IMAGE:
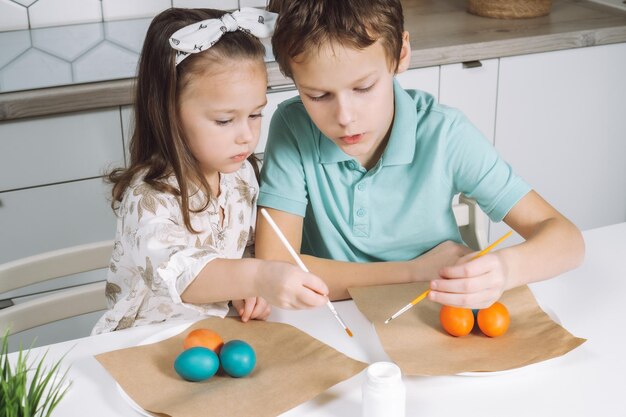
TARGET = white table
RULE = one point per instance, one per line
(588, 381)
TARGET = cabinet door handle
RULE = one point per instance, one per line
(472, 64)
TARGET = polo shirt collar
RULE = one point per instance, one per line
(331, 153)
(400, 149)
(401, 146)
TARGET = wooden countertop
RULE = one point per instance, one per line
(441, 32)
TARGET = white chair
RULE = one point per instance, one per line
(57, 305)
(473, 223)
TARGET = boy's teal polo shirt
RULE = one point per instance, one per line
(400, 208)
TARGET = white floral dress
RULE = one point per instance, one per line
(155, 257)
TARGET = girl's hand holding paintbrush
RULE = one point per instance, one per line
(291, 287)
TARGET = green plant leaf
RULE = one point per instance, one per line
(37, 396)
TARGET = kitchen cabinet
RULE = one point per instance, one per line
(472, 88)
(42, 219)
(560, 123)
(126, 114)
(274, 98)
(469, 87)
(51, 191)
(49, 150)
(425, 79)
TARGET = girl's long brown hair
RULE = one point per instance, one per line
(158, 143)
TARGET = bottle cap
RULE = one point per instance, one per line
(383, 373)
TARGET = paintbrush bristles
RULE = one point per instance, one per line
(405, 308)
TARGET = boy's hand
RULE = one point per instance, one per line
(471, 283)
(287, 286)
(254, 308)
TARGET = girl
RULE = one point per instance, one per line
(186, 204)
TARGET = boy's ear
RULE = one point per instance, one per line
(405, 54)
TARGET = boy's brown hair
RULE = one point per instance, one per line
(306, 25)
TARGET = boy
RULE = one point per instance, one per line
(360, 174)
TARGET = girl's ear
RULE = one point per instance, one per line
(405, 54)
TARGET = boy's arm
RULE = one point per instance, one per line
(339, 275)
(553, 245)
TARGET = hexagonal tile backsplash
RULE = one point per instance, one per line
(46, 43)
(27, 14)
(72, 54)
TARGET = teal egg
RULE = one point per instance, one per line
(475, 312)
(196, 364)
(237, 358)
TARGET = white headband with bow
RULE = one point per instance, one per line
(203, 35)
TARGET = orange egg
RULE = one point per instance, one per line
(456, 321)
(204, 338)
(494, 321)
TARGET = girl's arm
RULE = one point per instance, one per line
(338, 275)
(280, 283)
(553, 245)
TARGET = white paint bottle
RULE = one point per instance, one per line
(384, 394)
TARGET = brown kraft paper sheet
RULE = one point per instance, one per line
(291, 368)
(419, 345)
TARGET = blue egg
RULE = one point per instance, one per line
(475, 312)
(237, 358)
(197, 364)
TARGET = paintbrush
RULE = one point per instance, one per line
(425, 293)
(301, 264)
